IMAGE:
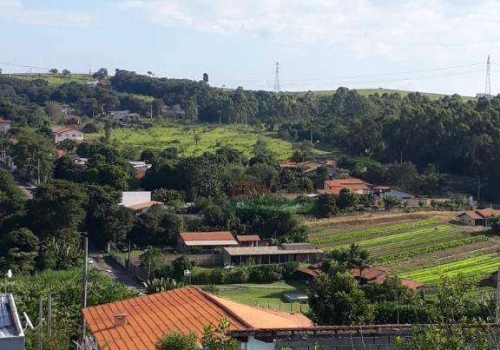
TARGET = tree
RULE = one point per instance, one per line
(156, 227)
(191, 110)
(152, 260)
(101, 74)
(179, 265)
(494, 221)
(53, 71)
(90, 128)
(65, 168)
(205, 78)
(33, 154)
(12, 199)
(18, 250)
(338, 300)
(390, 202)
(65, 72)
(326, 205)
(346, 199)
(302, 152)
(197, 138)
(57, 209)
(218, 338)
(178, 341)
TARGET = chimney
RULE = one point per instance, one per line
(120, 319)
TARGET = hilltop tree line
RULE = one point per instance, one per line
(451, 134)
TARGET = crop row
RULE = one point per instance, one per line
(408, 254)
(480, 266)
(372, 231)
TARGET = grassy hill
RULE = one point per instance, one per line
(54, 79)
(210, 138)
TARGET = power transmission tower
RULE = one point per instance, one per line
(277, 87)
(487, 85)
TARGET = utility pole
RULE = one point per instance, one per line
(151, 112)
(38, 170)
(40, 324)
(478, 189)
(84, 282)
(49, 315)
(487, 84)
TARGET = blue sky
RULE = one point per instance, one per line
(427, 45)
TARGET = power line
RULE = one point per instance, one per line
(22, 65)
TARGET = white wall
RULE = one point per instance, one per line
(74, 135)
(135, 197)
(254, 344)
(4, 127)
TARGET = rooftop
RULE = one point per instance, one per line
(4, 121)
(10, 325)
(248, 238)
(481, 214)
(272, 250)
(183, 310)
(208, 238)
(144, 205)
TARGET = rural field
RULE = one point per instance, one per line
(197, 139)
(423, 246)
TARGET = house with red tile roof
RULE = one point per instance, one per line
(248, 240)
(138, 323)
(357, 186)
(205, 242)
(66, 133)
(138, 201)
(478, 217)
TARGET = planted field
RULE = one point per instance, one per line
(476, 267)
(195, 140)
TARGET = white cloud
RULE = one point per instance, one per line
(16, 11)
(397, 29)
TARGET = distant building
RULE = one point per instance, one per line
(289, 252)
(61, 134)
(11, 330)
(478, 217)
(140, 168)
(357, 186)
(138, 323)
(205, 242)
(5, 125)
(248, 240)
(123, 117)
(138, 201)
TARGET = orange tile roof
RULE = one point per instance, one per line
(248, 238)
(369, 273)
(207, 236)
(4, 121)
(352, 184)
(183, 310)
(481, 214)
(144, 205)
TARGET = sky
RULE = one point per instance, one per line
(418, 45)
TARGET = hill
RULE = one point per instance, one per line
(54, 79)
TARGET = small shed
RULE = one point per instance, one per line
(205, 242)
(248, 240)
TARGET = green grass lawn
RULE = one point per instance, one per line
(55, 79)
(265, 295)
(210, 138)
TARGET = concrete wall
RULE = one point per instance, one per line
(135, 197)
(12, 343)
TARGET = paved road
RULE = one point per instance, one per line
(105, 263)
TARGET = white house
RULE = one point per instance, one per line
(66, 133)
(138, 201)
(5, 125)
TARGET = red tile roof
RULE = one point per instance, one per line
(183, 310)
(248, 238)
(369, 273)
(481, 214)
(4, 121)
(207, 236)
(60, 130)
(352, 184)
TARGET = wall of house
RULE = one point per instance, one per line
(4, 127)
(12, 343)
(68, 135)
(466, 220)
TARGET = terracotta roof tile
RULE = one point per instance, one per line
(144, 205)
(184, 310)
(248, 238)
(369, 273)
(207, 236)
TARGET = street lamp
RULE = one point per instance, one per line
(8, 275)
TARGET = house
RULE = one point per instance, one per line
(124, 117)
(61, 134)
(138, 201)
(357, 186)
(310, 167)
(138, 323)
(205, 242)
(5, 125)
(248, 240)
(11, 330)
(288, 252)
(369, 275)
(478, 217)
(140, 168)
